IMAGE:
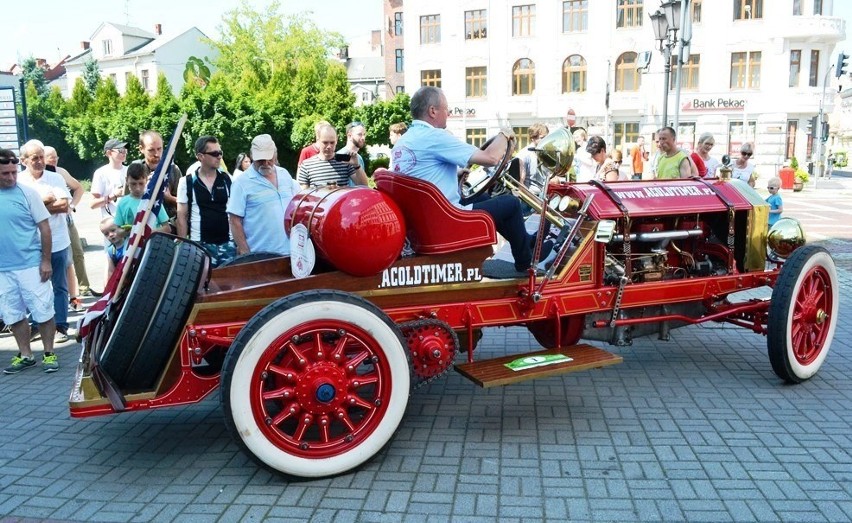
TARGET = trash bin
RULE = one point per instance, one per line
(788, 176)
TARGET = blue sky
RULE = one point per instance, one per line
(58, 26)
(63, 24)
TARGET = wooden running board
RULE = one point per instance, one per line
(494, 373)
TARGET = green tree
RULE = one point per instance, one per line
(380, 115)
(34, 74)
(106, 99)
(80, 99)
(91, 74)
(135, 96)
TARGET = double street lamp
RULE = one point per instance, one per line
(666, 22)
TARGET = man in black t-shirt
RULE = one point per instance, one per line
(202, 197)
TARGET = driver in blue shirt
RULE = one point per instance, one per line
(427, 151)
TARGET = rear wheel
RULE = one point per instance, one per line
(316, 383)
(544, 331)
(803, 314)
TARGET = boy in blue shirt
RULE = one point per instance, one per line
(117, 241)
(125, 212)
(776, 206)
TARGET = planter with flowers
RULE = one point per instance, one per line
(800, 177)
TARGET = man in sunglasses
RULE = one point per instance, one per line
(108, 180)
(202, 197)
(25, 267)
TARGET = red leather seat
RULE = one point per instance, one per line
(435, 226)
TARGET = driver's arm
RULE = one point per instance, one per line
(492, 155)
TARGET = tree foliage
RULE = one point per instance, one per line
(34, 74)
(273, 74)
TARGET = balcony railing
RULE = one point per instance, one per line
(815, 28)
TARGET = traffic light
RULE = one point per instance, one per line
(809, 128)
(824, 135)
(842, 64)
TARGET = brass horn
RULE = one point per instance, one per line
(556, 151)
(527, 196)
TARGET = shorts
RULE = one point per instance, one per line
(23, 290)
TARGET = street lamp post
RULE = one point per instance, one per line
(666, 23)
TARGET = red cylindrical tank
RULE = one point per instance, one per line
(358, 230)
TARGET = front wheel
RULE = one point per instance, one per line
(803, 314)
(316, 383)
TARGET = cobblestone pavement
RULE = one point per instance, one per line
(694, 429)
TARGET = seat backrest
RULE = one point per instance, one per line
(435, 226)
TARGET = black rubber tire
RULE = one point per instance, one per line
(249, 258)
(169, 318)
(144, 293)
(256, 350)
(803, 314)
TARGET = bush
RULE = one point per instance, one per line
(802, 176)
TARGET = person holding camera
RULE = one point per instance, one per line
(328, 167)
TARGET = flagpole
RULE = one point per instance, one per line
(164, 164)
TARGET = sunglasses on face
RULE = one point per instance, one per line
(216, 154)
(7, 161)
(745, 154)
(771, 187)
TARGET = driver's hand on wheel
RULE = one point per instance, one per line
(508, 133)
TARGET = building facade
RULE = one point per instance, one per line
(123, 51)
(755, 69)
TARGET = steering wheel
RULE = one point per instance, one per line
(481, 179)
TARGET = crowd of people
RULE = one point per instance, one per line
(241, 212)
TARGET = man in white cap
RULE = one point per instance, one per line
(258, 200)
(108, 181)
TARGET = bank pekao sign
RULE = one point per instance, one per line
(714, 103)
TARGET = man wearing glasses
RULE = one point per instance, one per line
(323, 169)
(108, 180)
(202, 197)
(742, 168)
(25, 267)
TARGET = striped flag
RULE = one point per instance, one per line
(144, 224)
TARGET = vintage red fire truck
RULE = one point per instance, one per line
(315, 365)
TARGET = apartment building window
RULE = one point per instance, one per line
(127, 75)
(629, 13)
(476, 82)
(696, 11)
(745, 65)
(625, 133)
(475, 136)
(818, 7)
(689, 72)
(113, 78)
(626, 75)
(748, 9)
(523, 77)
(523, 20)
(737, 136)
(475, 24)
(574, 74)
(107, 45)
(430, 77)
(400, 88)
(795, 66)
(522, 137)
(399, 61)
(792, 129)
(575, 16)
(430, 29)
(365, 97)
(397, 24)
(145, 79)
(814, 75)
(797, 7)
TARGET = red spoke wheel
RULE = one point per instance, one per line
(544, 331)
(316, 384)
(803, 314)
